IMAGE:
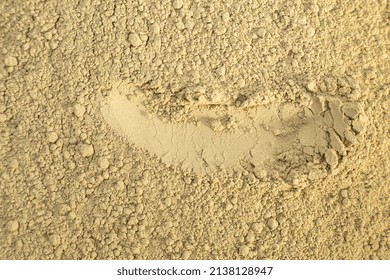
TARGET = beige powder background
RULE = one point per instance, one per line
(298, 91)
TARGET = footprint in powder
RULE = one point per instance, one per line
(251, 142)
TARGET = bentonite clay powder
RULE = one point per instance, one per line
(194, 129)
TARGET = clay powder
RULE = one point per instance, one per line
(194, 129)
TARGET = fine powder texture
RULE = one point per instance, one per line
(194, 129)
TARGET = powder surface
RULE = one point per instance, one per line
(194, 129)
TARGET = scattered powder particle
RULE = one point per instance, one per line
(257, 227)
(311, 32)
(120, 186)
(225, 17)
(136, 250)
(10, 61)
(178, 4)
(55, 239)
(357, 125)
(220, 29)
(250, 237)
(12, 226)
(350, 110)
(52, 137)
(318, 103)
(155, 28)
(241, 83)
(272, 223)
(3, 117)
(277, 132)
(79, 110)
(331, 157)
(64, 208)
(244, 250)
(104, 163)
(186, 255)
(135, 40)
(221, 71)
(312, 86)
(168, 201)
(86, 150)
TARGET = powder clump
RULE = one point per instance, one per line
(10, 61)
(86, 150)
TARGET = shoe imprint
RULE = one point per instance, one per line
(237, 138)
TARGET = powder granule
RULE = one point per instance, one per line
(135, 40)
(12, 226)
(178, 4)
(86, 150)
(10, 61)
(272, 223)
(104, 163)
(244, 250)
(79, 110)
(331, 157)
(52, 137)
